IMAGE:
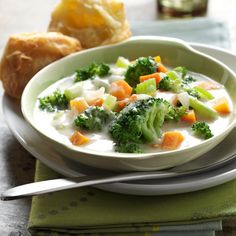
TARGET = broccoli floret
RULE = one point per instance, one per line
(142, 66)
(128, 147)
(56, 101)
(177, 85)
(89, 73)
(139, 122)
(99, 69)
(93, 118)
(165, 84)
(188, 79)
(174, 113)
(202, 129)
(82, 74)
(168, 84)
(191, 91)
(183, 70)
(184, 74)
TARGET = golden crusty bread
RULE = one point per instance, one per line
(93, 22)
(26, 54)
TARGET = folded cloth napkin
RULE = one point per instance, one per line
(91, 211)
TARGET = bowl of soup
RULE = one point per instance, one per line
(148, 103)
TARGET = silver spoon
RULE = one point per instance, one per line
(48, 186)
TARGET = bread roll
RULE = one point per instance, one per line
(93, 22)
(26, 54)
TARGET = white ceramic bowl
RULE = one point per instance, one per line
(174, 52)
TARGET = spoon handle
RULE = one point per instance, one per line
(42, 187)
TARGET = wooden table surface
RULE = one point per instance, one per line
(17, 166)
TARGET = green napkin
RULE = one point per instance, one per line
(89, 210)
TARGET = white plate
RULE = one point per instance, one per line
(220, 157)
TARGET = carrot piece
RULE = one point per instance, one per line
(172, 140)
(161, 68)
(78, 139)
(120, 89)
(98, 102)
(133, 98)
(221, 105)
(208, 85)
(190, 117)
(157, 59)
(123, 103)
(156, 76)
(79, 104)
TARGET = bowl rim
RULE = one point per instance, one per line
(119, 155)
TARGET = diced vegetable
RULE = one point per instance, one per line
(172, 140)
(114, 78)
(202, 109)
(161, 68)
(156, 76)
(92, 95)
(122, 62)
(173, 75)
(74, 91)
(78, 104)
(157, 59)
(58, 119)
(98, 102)
(110, 102)
(184, 99)
(121, 104)
(190, 117)
(147, 87)
(78, 139)
(98, 83)
(209, 85)
(204, 93)
(133, 98)
(120, 89)
(221, 105)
